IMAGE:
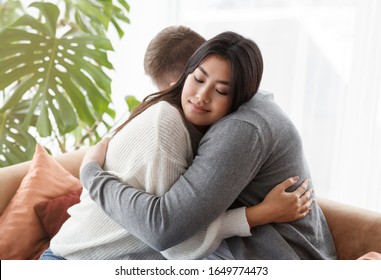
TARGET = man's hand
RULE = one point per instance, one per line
(96, 153)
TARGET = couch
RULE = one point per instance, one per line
(355, 231)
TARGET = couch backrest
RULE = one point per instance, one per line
(356, 231)
(11, 176)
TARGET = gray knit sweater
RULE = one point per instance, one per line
(239, 160)
(144, 155)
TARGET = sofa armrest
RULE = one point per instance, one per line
(11, 176)
(355, 231)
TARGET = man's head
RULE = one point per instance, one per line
(168, 52)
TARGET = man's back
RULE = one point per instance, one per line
(242, 155)
(277, 155)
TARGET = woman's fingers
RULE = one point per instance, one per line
(298, 202)
(301, 190)
(306, 203)
(305, 199)
(306, 196)
(286, 184)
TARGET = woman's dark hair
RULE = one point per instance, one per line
(246, 64)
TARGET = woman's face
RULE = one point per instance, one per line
(205, 97)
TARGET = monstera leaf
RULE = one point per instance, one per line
(10, 11)
(94, 16)
(131, 102)
(63, 77)
(17, 144)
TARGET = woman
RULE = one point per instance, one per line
(157, 143)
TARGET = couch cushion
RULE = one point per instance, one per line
(22, 234)
(53, 212)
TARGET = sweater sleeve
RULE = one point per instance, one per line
(198, 198)
(206, 241)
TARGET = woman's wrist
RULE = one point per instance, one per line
(258, 215)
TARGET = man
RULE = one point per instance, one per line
(168, 52)
(244, 155)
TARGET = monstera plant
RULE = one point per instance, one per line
(54, 74)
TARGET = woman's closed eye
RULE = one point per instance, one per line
(221, 92)
(198, 80)
(201, 81)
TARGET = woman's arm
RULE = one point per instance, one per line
(278, 206)
(202, 193)
(168, 157)
(205, 241)
(165, 233)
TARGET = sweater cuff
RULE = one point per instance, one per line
(88, 172)
(234, 223)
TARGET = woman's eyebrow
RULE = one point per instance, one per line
(203, 71)
(207, 75)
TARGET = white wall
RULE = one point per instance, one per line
(147, 19)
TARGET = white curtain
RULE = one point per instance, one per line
(322, 62)
(356, 161)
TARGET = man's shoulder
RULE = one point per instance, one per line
(165, 108)
(164, 113)
(170, 123)
(158, 119)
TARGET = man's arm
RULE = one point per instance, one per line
(221, 170)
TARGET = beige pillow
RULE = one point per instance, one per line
(22, 235)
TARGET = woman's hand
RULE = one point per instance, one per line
(280, 206)
(96, 153)
(371, 256)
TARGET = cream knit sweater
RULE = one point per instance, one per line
(150, 153)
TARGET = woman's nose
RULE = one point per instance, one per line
(203, 95)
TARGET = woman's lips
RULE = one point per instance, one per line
(199, 108)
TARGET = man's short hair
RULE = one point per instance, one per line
(168, 52)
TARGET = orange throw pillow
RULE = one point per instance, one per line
(53, 212)
(22, 236)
